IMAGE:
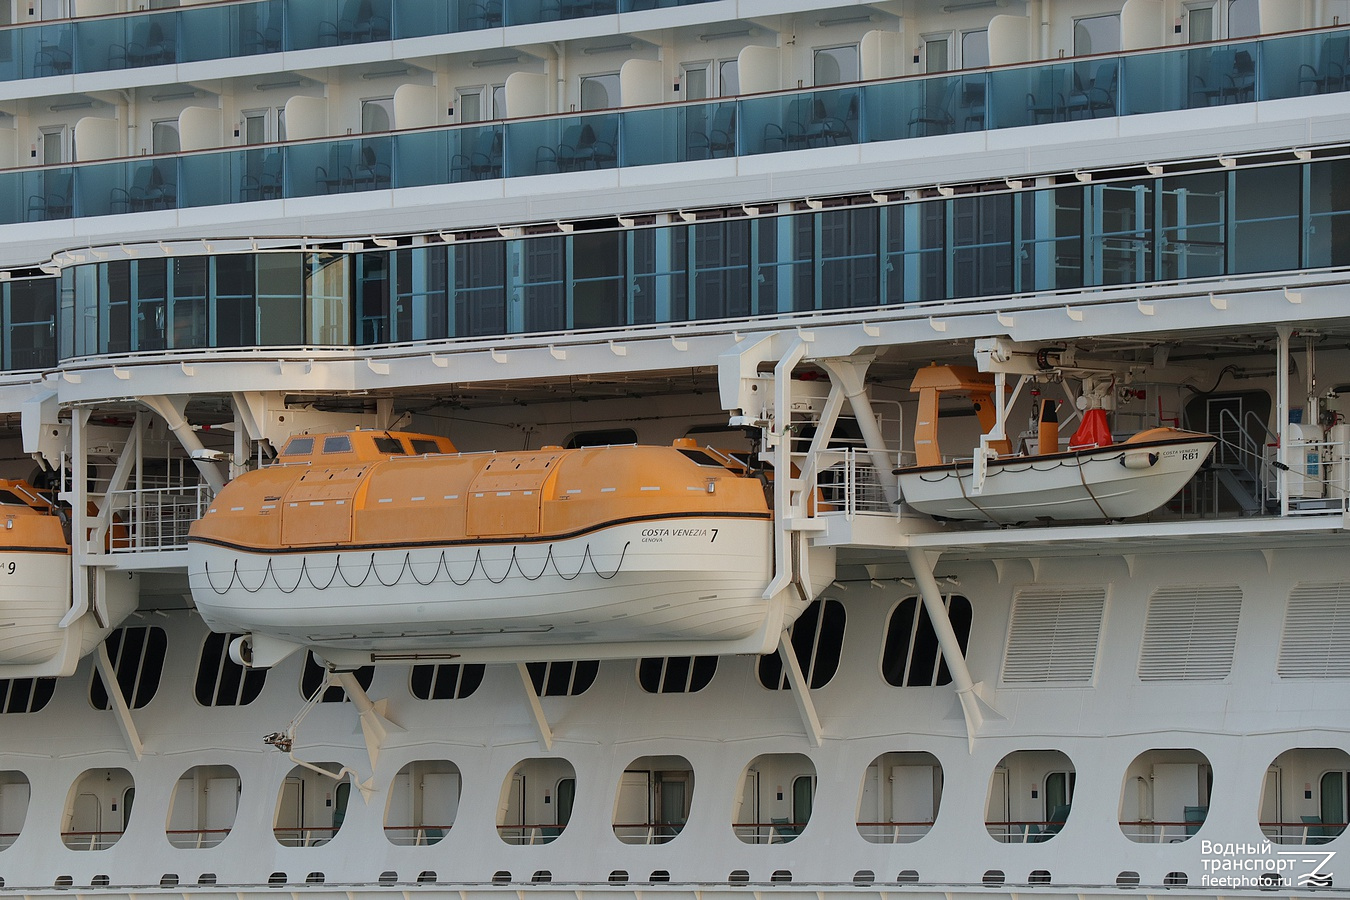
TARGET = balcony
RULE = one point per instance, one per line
(227, 30)
(1131, 84)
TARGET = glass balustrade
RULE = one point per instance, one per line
(1300, 65)
(105, 43)
(1171, 227)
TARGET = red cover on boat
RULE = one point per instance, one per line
(1094, 432)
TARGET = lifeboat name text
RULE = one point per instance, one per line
(657, 535)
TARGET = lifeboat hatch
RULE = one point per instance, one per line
(504, 498)
(318, 507)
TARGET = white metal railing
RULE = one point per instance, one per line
(646, 832)
(767, 832)
(196, 838)
(848, 483)
(156, 518)
(1142, 832)
(893, 832)
(1304, 832)
(1318, 479)
(415, 835)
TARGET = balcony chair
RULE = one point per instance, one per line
(1329, 75)
(56, 200)
(483, 161)
(55, 58)
(935, 116)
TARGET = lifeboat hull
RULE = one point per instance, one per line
(1116, 482)
(34, 596)
(698, 579)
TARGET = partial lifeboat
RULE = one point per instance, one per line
(1095, 478)
(40, 635)
(391, 547)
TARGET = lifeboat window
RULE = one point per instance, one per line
(449, 681)
(702, 458)
(817, 640)
(425, 446)
(220, 680)
(312, 678)
(299, 446)
(9, 499)
(911, 656)
(562, 679)
(388, 445)
(337, 443)
(137, 655)
(25, 695)
(606, 437)
(676, 674)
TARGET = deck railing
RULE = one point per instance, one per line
(196, 838)
(647, 832)
(90, 840)
(157, 518)
(773, 832)
(416, 835)
(1125, 84)
(893, 832)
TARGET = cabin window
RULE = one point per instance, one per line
(975, 49)
(1200, 23)
(449, 681)
(600, 91)
(676, 674)
(298, 447)
(25, 695)
(313, 677)
(562, 679)
(936, 53)
(1244, 18)
(911, 656)
(337, 443)
(137, 655)
(817, 641)
(425, 446)
(220, 680)
(423, 803)
(389, 446)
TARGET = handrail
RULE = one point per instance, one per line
(858, 113)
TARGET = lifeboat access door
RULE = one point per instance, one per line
(504, 499)
(318, 508)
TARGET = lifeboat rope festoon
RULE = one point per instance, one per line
(442, 564)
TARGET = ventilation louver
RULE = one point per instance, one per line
(1190, 633)
(1316, 641)
(1053, 636)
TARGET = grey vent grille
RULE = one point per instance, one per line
(1053, 636)
(1190, 633)
(1316, 641)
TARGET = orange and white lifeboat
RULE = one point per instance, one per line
(391, 547)
(40, 634)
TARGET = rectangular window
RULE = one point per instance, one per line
(377, 115)
(975, 49)
(936, 53)
(1244, 18)
(480, 288)
(1050, 241)
(235, 307)
(470, 104)
(164, 136)
(728, 78)
(836, 65)
(1120, 238)
(1192, 236)
(1329, 213)
(598, 279)
(1096, 34)
(694, 81)
(1200, 24)
(981, 245)
(915, 266)
(600, 91)
(848, 257)
(1266, 229)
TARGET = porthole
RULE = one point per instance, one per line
(1039, 876)
(1176, 879)
(64, 881)
(653, 800)
(1127, 879)
(782, 814)
(1164, 797)
(618, 876)
(206, 878)
(310, 807)
(781, 876)
(314, 878)
(738, 876)
(168, 880)
(659, 876)
(188, 826)
(1030, 797)
(98, 809)
(14, 796)
(543, 876)
(100, 881)
(426, 877)
(907, 876)
(501, 877)
(993, 878)
(276, 879)
(864, 877)
(388, 878)
(900, 796)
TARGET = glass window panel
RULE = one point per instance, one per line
(328, 308)
(916, 252)
(115, 305)
(849, 266)
(1096, 34)
(836, 65)
(981, 245)
(975, 49)
(1120, 237)
(372, 298)
(420, 304)
(1266, 228)
(189, 301)
(1192, 237)
(600, 91)
(721, 269)
(598, 279)
(480, 288)
(544, 287)
(695, 82)
(1050, 244)
(236, 307)
(935, 54)
(30, 323)
(151, 280)
(281, 308)
(1244, 18)
(1200, 24)
(1329, 213)
(728, 78)
(470, 104)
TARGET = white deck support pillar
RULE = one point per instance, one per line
(788, 556)
(921, 562)
(537, 708)
(375, 724)
(849, 375)
(171, 411)
(1282, 415)
(801, 691)
(119, 703)
(77, 497)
